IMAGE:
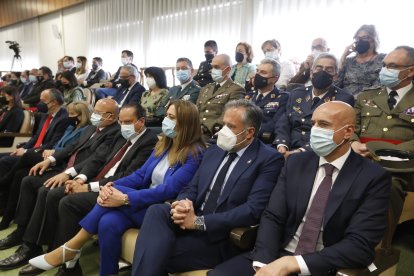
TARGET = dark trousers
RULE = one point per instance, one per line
(240, 265)
(163, 247)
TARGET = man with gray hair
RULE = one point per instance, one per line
(214, 96)
(230, 189)
(293, 129)
(131, 90)
(271, 100)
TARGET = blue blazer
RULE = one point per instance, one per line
(133, 97)
(246, 192)
(355, 215)
(293, 127)
(70, 136)
(176, 177)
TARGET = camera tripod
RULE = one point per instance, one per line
(18, 59)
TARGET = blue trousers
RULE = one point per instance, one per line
(101, 93)
(110, 224)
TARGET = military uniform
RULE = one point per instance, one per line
(273, 106)
(211, 103)
(293, 128)
(203, 76)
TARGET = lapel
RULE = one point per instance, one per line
(405, 103)
(342, 184)
(132, 150)
(305, 185)
(182, 92)
(265, 100)
(53, 122)
(242, 165)
(221, 89)
(307, 105)
(381, 100)
(153, 164)
(213, 166)
(85, 138)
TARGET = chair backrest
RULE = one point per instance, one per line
(28, 122)
(90, 97)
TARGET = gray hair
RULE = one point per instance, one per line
(276, 66)
(131, 70)
(55, 95)
(252, 116)
(326, 55)
(410, 53)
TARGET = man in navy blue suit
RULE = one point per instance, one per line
(230, 189)
(131, 90)
(328, 210)
(293, 129)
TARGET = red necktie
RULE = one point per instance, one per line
(312, 226)
(113, 161)
(43, 132)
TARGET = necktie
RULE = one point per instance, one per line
(43, 132)
(211, 203)
(72, 158)
(259, 97)
(216, 87)
(315, 101)
(113, 161)
(312, 226)
(392, 100)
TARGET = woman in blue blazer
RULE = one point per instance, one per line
(122, 204)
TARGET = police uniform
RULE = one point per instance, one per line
(273, 106)
(203, 76)
(211, 103)
(293, 128)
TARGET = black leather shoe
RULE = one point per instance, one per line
(30, 270)
(75, 271)
(22, 255)
(13, 239)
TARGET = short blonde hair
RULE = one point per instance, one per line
(84, 110)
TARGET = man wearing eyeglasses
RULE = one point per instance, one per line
(293, 128)
(385, 117)
(131, 90)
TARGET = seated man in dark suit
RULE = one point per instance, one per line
(230, 189)
(131, 90)
(271, 100)
(293, 129)
(336, 219)
(97, 73)
(51, 173)
(128, 152)
(44, 81)
(27, 85)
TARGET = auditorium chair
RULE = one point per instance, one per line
(90, 97)
(10, 140)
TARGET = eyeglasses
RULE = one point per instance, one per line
(396, 66)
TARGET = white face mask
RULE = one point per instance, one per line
(150, 82)
(66, 64)
(78, 65)
(227, 140)
(316, 53)
(272, 54)
(124, 61)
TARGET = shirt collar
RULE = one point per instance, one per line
(184, 85)
(320, 96)
(402, 91)
(337, 163)
(133, 140)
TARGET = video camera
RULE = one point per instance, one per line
(15, 47)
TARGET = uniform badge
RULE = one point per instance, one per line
(369, 102)
(299, 100)
(297, 109)
(186, 97)
(308, 98)
(409, 111)
(272, 96)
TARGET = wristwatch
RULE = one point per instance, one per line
(89, 187)
(199, 223)
(126, 200)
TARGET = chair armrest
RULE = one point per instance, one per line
(244, 237)
(14, 134)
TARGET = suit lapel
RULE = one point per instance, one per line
(305, 185)
(218, 155)
(342, 184)
(307, 105)
(381, 100)
(405, 103)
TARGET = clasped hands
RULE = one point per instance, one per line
(109, 196)
(182, 214)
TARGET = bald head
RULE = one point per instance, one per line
(223, 60)
(337, 110)
(108, 108)
(320, 44)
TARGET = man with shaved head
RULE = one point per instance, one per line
(53, 172)
(214, 96)
(328, 210)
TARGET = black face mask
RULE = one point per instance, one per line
(209, 56)
(362, 46)
(42, 107)
(239, 57)
(124, 83)
(73, 121)
(94, 67)
(3, 101)
(322, 80)
(13, 82)
(39, 78)
(259, 81)
(66, 86)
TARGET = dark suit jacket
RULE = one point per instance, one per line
(116, 76)
(54, 132)
(293, 128)
(26, 89)
(189, 93)
(132, 161)
(12, 120)
(133, 97)
(273, 107)
(95, 77)
(87, 147)
(355, 215)
(245, 193)
(34, 97)
(203, 76)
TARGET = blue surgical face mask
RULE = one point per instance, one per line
(389, 77)
(183, 75)
(168, 127)
(32, 78)
(321, 140)
(96, 119)
(217, 75)
(128, 131)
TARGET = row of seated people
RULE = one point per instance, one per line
(226, 186)
(323, 72)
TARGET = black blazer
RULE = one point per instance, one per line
(12, 120)
(132, 161)
(116, 76)
(25, 90)
(133, 97)
(54, 132)
(87, 147)
(95, 77)
(34, 97)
